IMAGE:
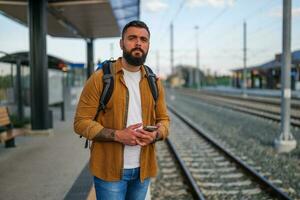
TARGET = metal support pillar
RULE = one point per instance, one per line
(90, 57)
(19, 91)
(286, 141)
(12, 75)
(62, 111)
(37, 11)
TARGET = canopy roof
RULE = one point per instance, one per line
(79, 18)
(53, 61)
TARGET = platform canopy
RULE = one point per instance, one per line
(275, 63)
(54, 62)
(79, 18)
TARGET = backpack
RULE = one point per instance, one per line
(108, 86)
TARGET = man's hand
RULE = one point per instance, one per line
(146, 137)
(128, 135)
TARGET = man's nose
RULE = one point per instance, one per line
(138, 43)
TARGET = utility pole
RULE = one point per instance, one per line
(286, 141)
(198, 75)
(157, 62)
(245, 61)
(111, 50)
(172, 48)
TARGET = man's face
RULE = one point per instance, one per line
(135, 45)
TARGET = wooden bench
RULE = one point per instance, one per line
(7, 131)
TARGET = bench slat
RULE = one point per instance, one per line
(4, 122)
(4, 117)
(8, 135)
(3, 109)
(3, 114)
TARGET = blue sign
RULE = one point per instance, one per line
(76, 65)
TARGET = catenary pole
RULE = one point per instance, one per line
(245, 61)
(286, 141)
(172, 48)
(198, 75)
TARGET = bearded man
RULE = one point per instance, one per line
(123, 152)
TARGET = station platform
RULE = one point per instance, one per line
(251, 91)
(49, 167)
(43, 166)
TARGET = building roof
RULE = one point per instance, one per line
(79, 18)
(296, 57)
(275, 63)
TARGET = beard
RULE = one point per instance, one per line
(134, 60)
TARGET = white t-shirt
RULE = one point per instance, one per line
(132, 80)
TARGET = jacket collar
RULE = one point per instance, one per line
(118, 67)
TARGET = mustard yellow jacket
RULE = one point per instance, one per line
(106, 161)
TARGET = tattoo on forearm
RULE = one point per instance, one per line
(105, 135)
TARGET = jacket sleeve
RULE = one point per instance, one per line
(161, 111)
(84, 123)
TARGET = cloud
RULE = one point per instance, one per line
(214, 3)
(277, 12)
(155, 5)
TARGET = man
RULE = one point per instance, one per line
(122, 153)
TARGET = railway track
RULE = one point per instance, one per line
(214, 172)
(295, 102)
(262, 107)
(169, 183)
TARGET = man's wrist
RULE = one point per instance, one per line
(106, 135)
(116, 138)
(157, 137)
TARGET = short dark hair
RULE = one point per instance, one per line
(135, 23)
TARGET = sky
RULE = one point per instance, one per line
(220, 34)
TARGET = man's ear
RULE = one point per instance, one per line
(121, 44)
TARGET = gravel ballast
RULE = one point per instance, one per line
(249, 136)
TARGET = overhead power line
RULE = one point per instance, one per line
(173, 19)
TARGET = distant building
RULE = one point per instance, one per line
(186, 76)
(268, 75)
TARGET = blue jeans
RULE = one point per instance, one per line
(129, 187)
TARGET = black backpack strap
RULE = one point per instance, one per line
(108, 87)
(152, 82)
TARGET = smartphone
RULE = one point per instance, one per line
(150, 128)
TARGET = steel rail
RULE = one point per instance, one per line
(295, 120)
(263, 182)
(196, 192)
(269, 100)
